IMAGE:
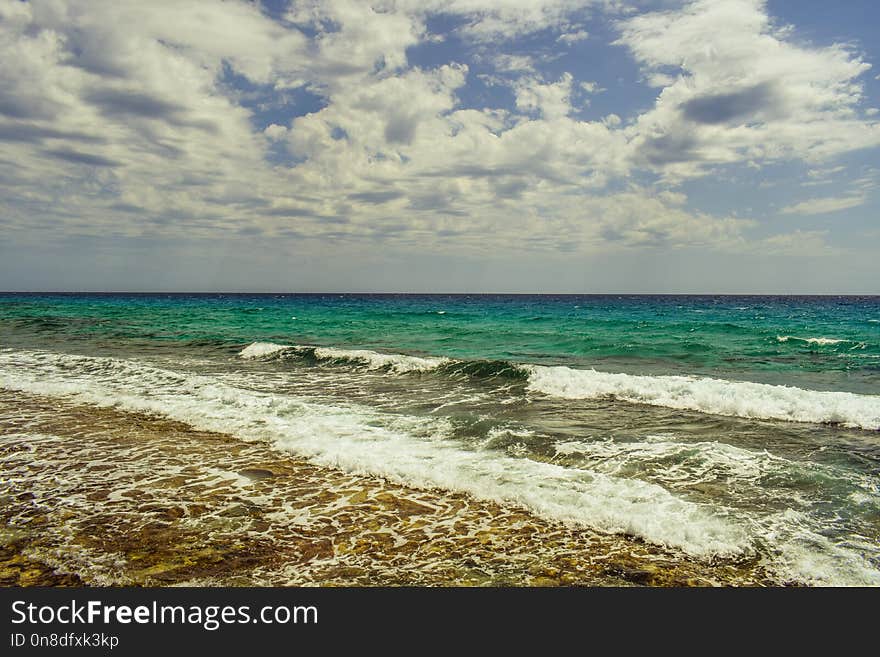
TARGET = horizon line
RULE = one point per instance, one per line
(484, 293)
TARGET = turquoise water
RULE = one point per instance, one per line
(824, 342)
(723, 427)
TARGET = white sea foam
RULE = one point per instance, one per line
(807, 556)
(821, 341)
(803, 551)
(676, 463)
(261, 350)
(715, 396)
(372, 360)
(375, 361)
(673, 461)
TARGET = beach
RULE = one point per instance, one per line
(147, 501)
(436, 440)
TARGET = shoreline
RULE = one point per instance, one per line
(147, 501)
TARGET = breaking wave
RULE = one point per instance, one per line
(819, 341)
(743, 399)
(414, 451)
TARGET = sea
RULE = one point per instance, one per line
(439, 440)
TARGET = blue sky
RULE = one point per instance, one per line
(716, 146)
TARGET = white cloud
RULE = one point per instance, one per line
(513, 63)
(573, 37)
(275, 131)
(354, 38)
(738, 89)
(108, 36)
(551, 101)
(493, 20)
(138, 120)
(798, 243)
(826, 172)
(824, 205)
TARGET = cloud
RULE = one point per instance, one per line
(551, 101)
(118, 103)
(824, 205)
(28, 132)
(799, 243)
(513, 63)
(824, 172)
(377, 197)
(822, 175)
(188, 121)
(493, 20)
(275, 131)
(77, 157)
(736, 88)
(573, 37)
(352, 38)
(735, 106)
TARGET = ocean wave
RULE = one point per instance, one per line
(819, 341)
(372, 360)
(743, 399)
(414, 451)
(677, 463)
(805, 552)
(714, 396)
(257, 350)
(484, 369)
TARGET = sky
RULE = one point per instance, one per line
(582, 146)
